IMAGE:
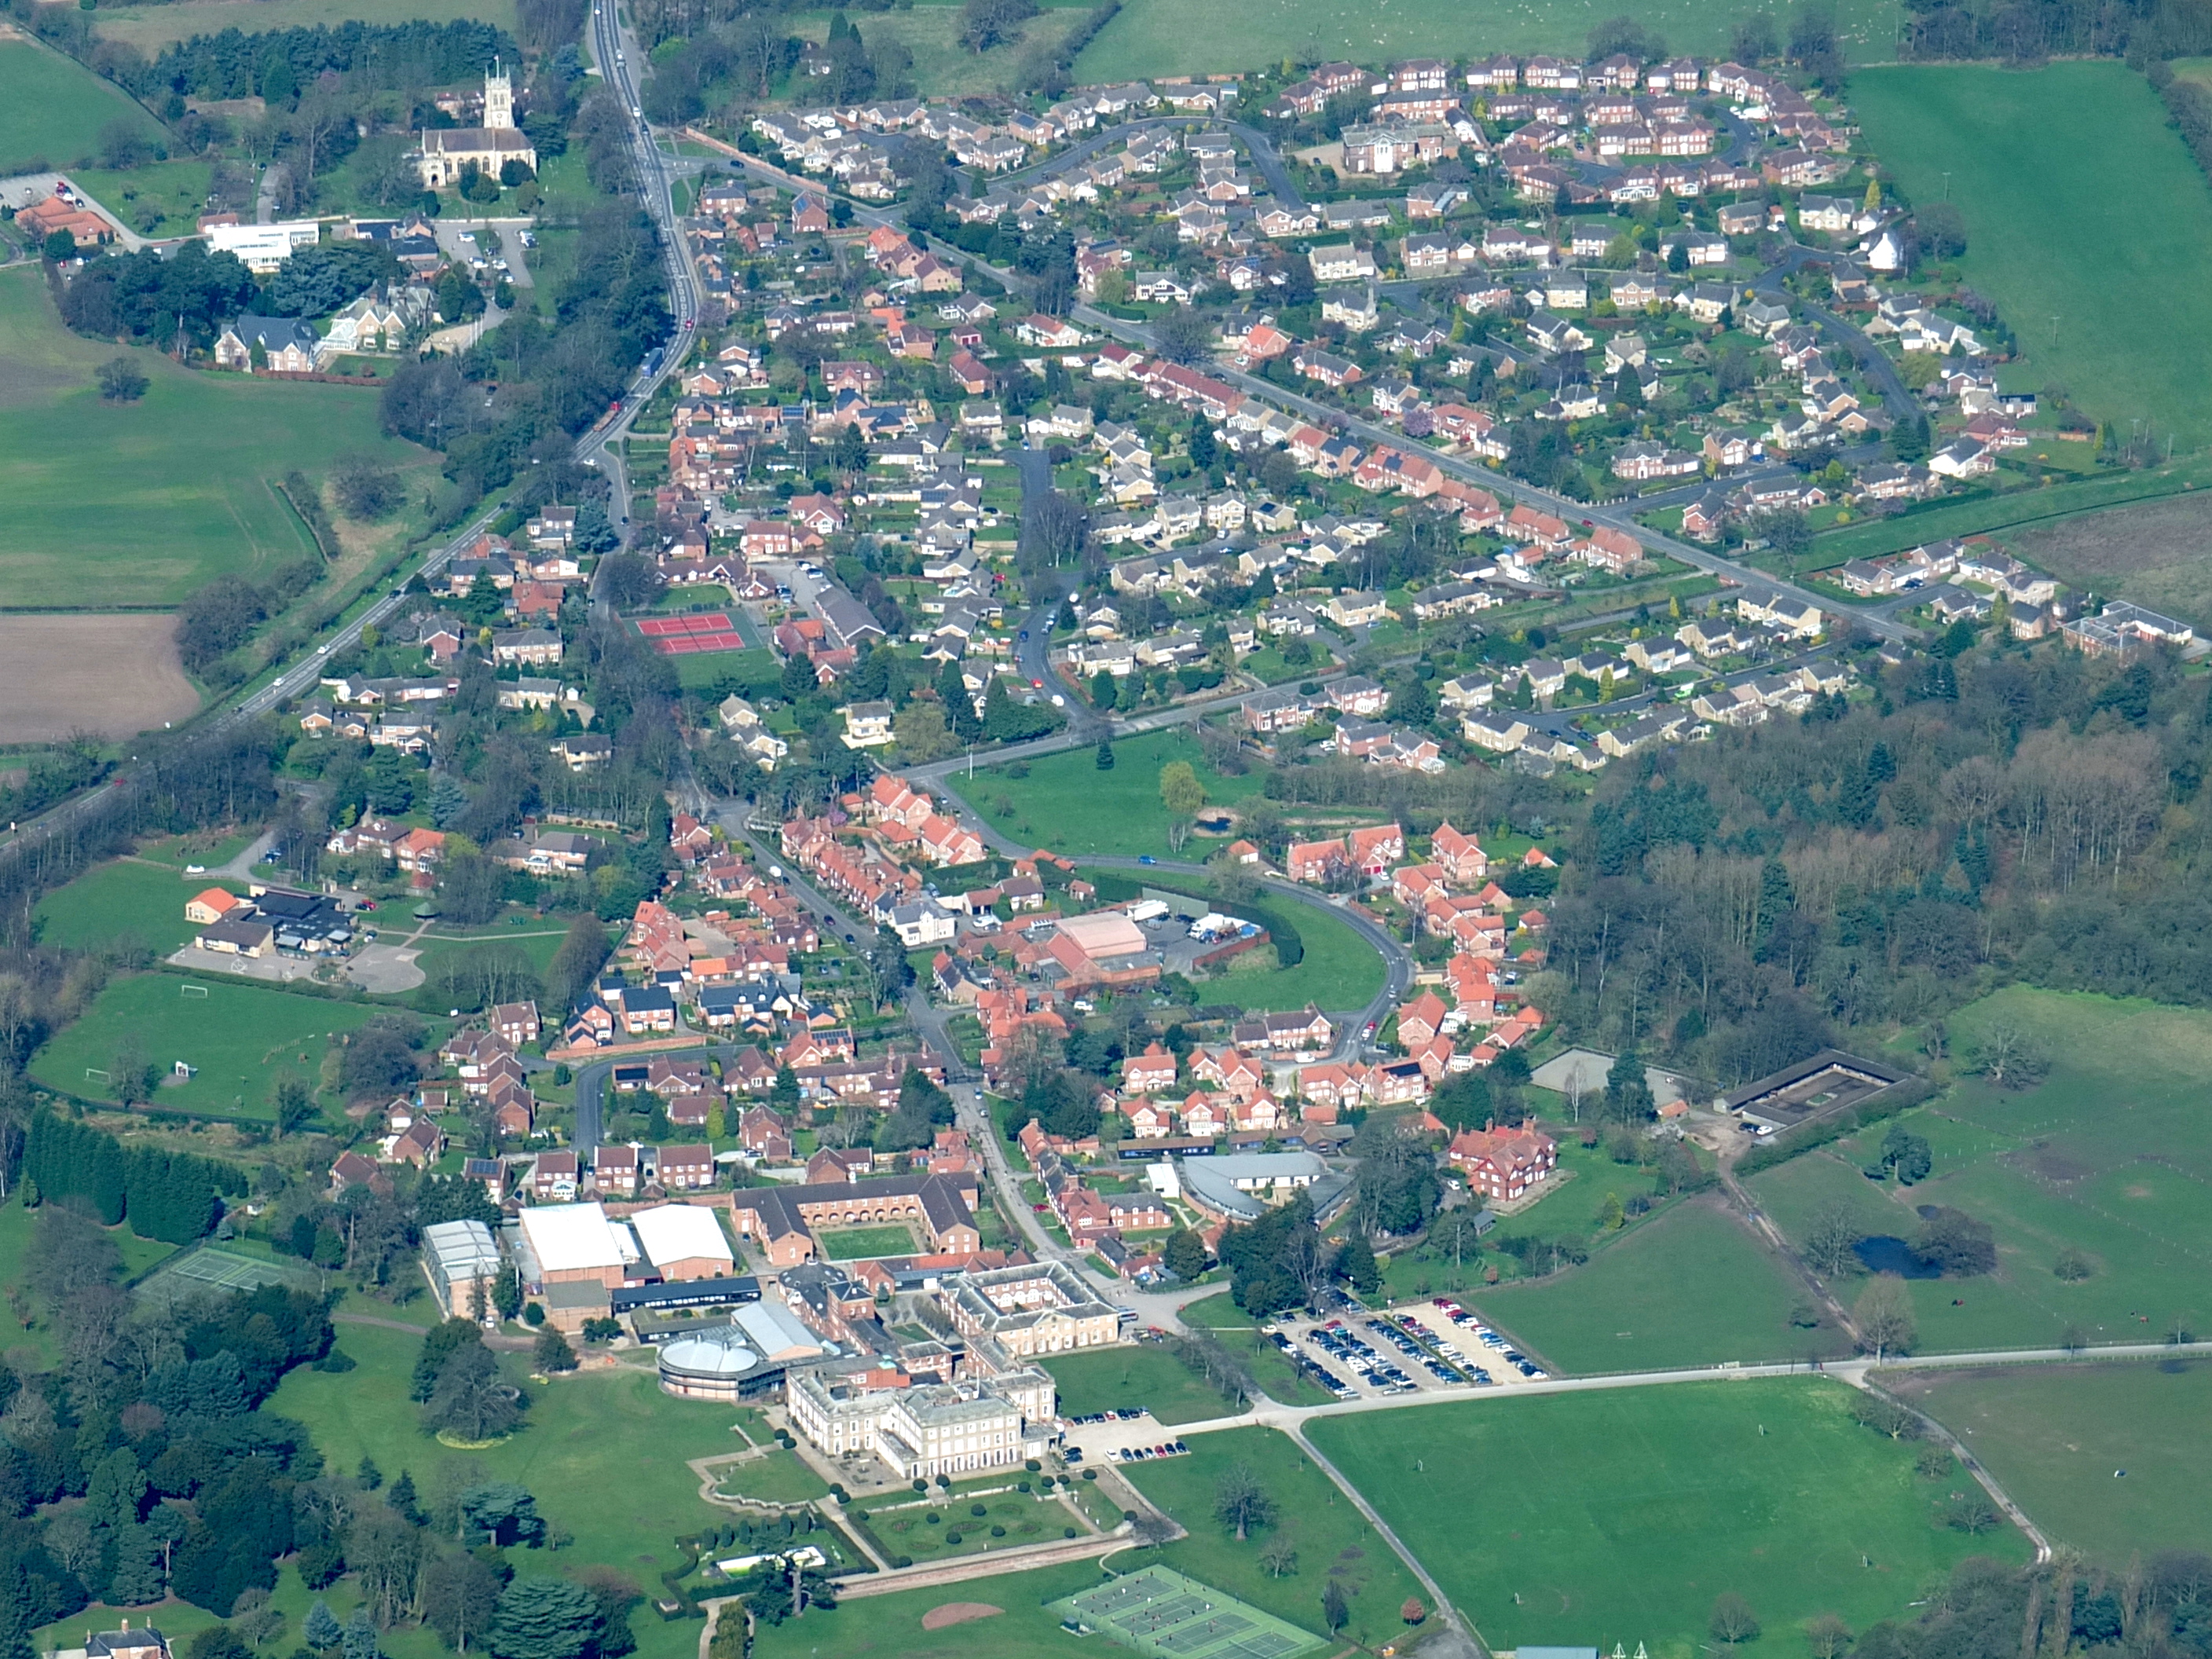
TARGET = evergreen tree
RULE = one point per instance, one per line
(358, 1638)
(1105, 757)
(553, 1353)
(401, 1497)
(1627, 1094)
(506, 1292)
(542, 1619)
(321, 1627)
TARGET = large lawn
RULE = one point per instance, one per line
(2110, 1156)
(54, 109)
(1619, 1517)
(1064, 804)
(1333, 1539)
(122, 900)
(2110, 1458)
(1340, 971)
(890, 1628)
(1165, 37)
(1139, 1375)
(139, 504)
(1691, 1288)
(604, 1451)
(241, 1036)
(2081, 205)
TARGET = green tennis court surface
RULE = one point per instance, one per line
(1158, 1611)
(212, 1269)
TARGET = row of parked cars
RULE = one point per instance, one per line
(1489, 1339)
(1141, 1454)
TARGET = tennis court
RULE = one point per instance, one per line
(209, 1268)
(1160, 1611)
(677, 637)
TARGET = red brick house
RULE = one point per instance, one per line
(1503, 1164)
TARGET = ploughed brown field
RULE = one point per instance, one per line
(113, 675)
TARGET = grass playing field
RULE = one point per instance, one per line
(1333, 1539)
(122, 899)
(241, 1036)
(1067, 805)
(1162, 36)
(2109, 1157)
(2081, 203)
(1620, 1516)
(2057, 1437)
(1691, 1288)
(52, 110)
(151, 27)
(1141, 1376)
(179, 481)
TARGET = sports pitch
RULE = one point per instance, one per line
(1160, 1611)
(677, 637)
(209, 1268)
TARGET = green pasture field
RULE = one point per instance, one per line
(1068, 805)
(604, 1451)
(177, 191)
(180, 482)
(778, 1477)
(1141, 1375)
(241, 1035)
(1691, 1288)
(858, 1244)
(53, 107)
(122, 900)
(1163, 37)
(890, 1627)
(2025, 511)
(2081, 202)
(1618, 1516)
(943, 68)
(2110, 1156)
(1333, 1539)
(2056, 1437)
(151, 27)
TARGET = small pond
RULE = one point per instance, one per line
(1882, 1254)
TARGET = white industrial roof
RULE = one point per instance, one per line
(673, 1232)
(567, 1236)
(776, 1331)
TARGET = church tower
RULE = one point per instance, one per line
(499, 100)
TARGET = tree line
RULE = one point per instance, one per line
(172, 1196)
(276, 64)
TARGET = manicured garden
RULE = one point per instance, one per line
(858, 1243)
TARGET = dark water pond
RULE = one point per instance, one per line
(1884, 1255)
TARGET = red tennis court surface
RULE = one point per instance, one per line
(674, 636)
